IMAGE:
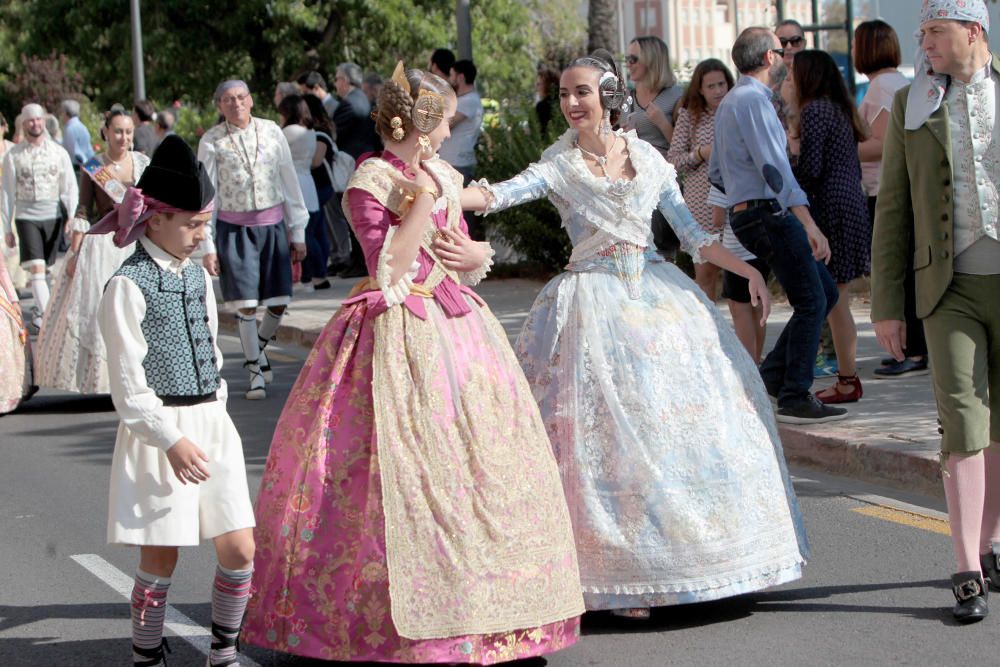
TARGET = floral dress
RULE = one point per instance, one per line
(15, 347)
(692, 171)
(829, 170)
(411, 508)
(665, 438)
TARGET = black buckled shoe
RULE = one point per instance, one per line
(222, 638)
(970, 596)
(154, 656)
(990, 563)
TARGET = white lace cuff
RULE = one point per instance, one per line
(491, 198)
(694, 247)
(476, 276)
(79, 225)
(394, 293)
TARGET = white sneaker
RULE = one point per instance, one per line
(257, 390)
(265, 368)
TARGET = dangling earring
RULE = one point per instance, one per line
(425, 146)
(606, 123)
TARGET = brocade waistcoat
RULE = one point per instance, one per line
(180, 360)
(37, 170)
(247, 164)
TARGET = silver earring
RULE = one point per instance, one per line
(606, 123)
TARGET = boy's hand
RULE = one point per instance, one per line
(187, 461)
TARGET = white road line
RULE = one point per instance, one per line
(178, 623)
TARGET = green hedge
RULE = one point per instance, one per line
(506, 148)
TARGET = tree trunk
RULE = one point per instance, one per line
(602, 22)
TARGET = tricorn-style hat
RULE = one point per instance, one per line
(174, 181)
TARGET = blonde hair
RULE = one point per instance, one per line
(395, 102)
(655, 55)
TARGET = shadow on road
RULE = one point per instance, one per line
(66, 404)
(793, 600)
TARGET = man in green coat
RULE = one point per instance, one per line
(939, 192)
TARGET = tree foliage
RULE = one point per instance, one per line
(191, 45)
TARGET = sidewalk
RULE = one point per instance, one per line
(890, 438)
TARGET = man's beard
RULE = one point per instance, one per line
(36, 133)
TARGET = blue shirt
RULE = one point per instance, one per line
(76, 141)
(749, 158)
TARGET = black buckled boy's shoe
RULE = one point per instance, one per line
(970, 597)
(990, 563)
(154, 657)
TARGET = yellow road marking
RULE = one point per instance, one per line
(281, 357)
(932, 524)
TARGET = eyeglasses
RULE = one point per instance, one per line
(779, 52)
(232, 99)
(798, 40)
(631, 60)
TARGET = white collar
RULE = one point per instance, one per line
(163, 259)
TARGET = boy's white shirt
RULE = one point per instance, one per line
(121, 313)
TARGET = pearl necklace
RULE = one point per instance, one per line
(601, 160)
(117, 163)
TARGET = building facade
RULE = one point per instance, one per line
(699, 29)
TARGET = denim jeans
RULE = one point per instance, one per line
(780, 240)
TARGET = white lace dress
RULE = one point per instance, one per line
(70, 353)
(665, 437)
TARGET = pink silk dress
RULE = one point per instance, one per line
(411, 508)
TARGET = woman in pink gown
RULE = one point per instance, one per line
(411, 508)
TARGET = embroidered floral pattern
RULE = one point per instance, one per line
(238, 187)
(972, 116)
(410, 488)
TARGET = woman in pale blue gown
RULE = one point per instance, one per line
(665, 437)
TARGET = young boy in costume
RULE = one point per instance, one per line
(178, 475)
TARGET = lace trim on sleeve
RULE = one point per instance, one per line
(694, 247)
(79, 225)
(491, 196)
(476, 276)
(394, 294)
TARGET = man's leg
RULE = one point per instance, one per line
(811, 293)
(958, 343)
(275, 287)
(239, 258)
(33, 260)
(990, 532)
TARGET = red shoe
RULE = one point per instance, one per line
(834, 394)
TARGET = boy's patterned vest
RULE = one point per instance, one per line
(180, 360)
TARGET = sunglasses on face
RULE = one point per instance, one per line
(631, 60)
(779, 52)
(798, 40)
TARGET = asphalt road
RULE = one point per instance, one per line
(874, 593)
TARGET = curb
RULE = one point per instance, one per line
(835, 451)
(287, 334)
(882, 462)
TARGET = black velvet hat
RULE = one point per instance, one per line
(176, 177)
